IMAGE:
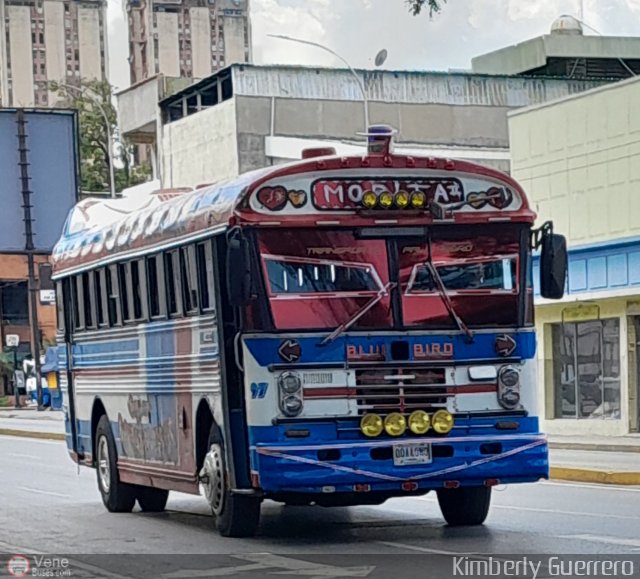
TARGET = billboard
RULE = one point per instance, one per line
(52, 166)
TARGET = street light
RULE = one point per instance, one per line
(94, 99)
(381, 57)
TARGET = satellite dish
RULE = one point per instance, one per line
(381, 57)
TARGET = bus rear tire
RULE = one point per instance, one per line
(465, 506)
(152, 500)
(117, 496)
(235, 515)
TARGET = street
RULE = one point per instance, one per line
(50, 506)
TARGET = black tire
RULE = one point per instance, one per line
(118, 497)
(466, 506)
(238, 515)
(152, 500)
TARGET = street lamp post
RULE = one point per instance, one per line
(86, 92)
(380, 58)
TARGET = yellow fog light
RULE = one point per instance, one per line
(402, 199)
(418, 200)
(385, 200)
(395, 424)
(442, 422)
(419, 422)
(369, 199)
(371, 425)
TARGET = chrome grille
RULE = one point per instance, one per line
(386, 390)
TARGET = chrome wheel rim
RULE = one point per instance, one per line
(104, 470)
(212, 478)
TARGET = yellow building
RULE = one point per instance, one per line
(579, 160)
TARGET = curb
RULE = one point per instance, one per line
(32, 434)
(588, 475)
(595, 447)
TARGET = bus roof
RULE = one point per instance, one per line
(294, 193)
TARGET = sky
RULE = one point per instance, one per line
(358, 29)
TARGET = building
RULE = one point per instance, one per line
(565, 52)
(579, 160)
(186, 38)
(49, 40)
(244, 116)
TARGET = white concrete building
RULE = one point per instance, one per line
(579, 160)
(186, 38)
(49, 40)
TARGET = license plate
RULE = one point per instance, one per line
(408, 454)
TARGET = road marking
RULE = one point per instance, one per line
(12, 439)
(591, 486)
(604, 539)
(278, 564)
(420, 549)
(41, 492)
(21, 455)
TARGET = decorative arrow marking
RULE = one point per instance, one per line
(290, 351)
(505, 345)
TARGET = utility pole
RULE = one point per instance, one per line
(23, 162)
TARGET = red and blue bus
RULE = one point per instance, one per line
(335, 331)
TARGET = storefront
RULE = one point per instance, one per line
(589, 345)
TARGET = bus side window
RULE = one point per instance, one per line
(101, 298)
(77, 297)
(113, 291)
(172, 280)
(189, 279)
(139, 290)
(60, 301)
(88, 281)
(204, 254)
(126, 294)
(156, 285)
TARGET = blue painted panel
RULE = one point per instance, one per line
(634, 267)
(617, 275)
(597, 273)
(577, 275)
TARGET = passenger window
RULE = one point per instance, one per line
(157, 296)
(79, 304)
(89, 300)
(204, 256)
(101, 298)
(189, 279)
(114, 304)
(138, 290)
(60, 309)
(172, 280)
(126, 298)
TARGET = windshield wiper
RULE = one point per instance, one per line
(444, 296)
(384, 292)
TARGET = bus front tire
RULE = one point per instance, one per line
(235, 515)
(152, 500)
(465, 506)
(117, 496)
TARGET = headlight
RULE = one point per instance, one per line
(419, 422)
(509, 387)
(291, 405)
(289, 383)
(369, 199)
(418, 200)
(371, 425)
(385, 200)
(442, 422)
(402, 199)
(395, 424)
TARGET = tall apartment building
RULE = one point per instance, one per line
(49, 40)
(186, 38)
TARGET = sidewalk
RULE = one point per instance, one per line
(578, 459)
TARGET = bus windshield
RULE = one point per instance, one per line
(319, 279)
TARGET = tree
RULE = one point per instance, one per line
(94, 143)
(416, 6)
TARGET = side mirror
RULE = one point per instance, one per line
(238, 268)
(553, 266)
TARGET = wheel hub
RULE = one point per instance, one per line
(212, 478)
(104, 470)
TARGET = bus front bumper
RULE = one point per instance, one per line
(368, 465)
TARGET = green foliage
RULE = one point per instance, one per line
(417, 6)
(94, 141)
(6, 364)
(4, 401)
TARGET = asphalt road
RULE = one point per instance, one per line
(48, 505)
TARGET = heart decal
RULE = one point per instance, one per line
(298, 198)
(273, 198)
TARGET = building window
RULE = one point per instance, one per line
(586, 369)
(14, 303)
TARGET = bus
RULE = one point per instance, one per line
(335, 331)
